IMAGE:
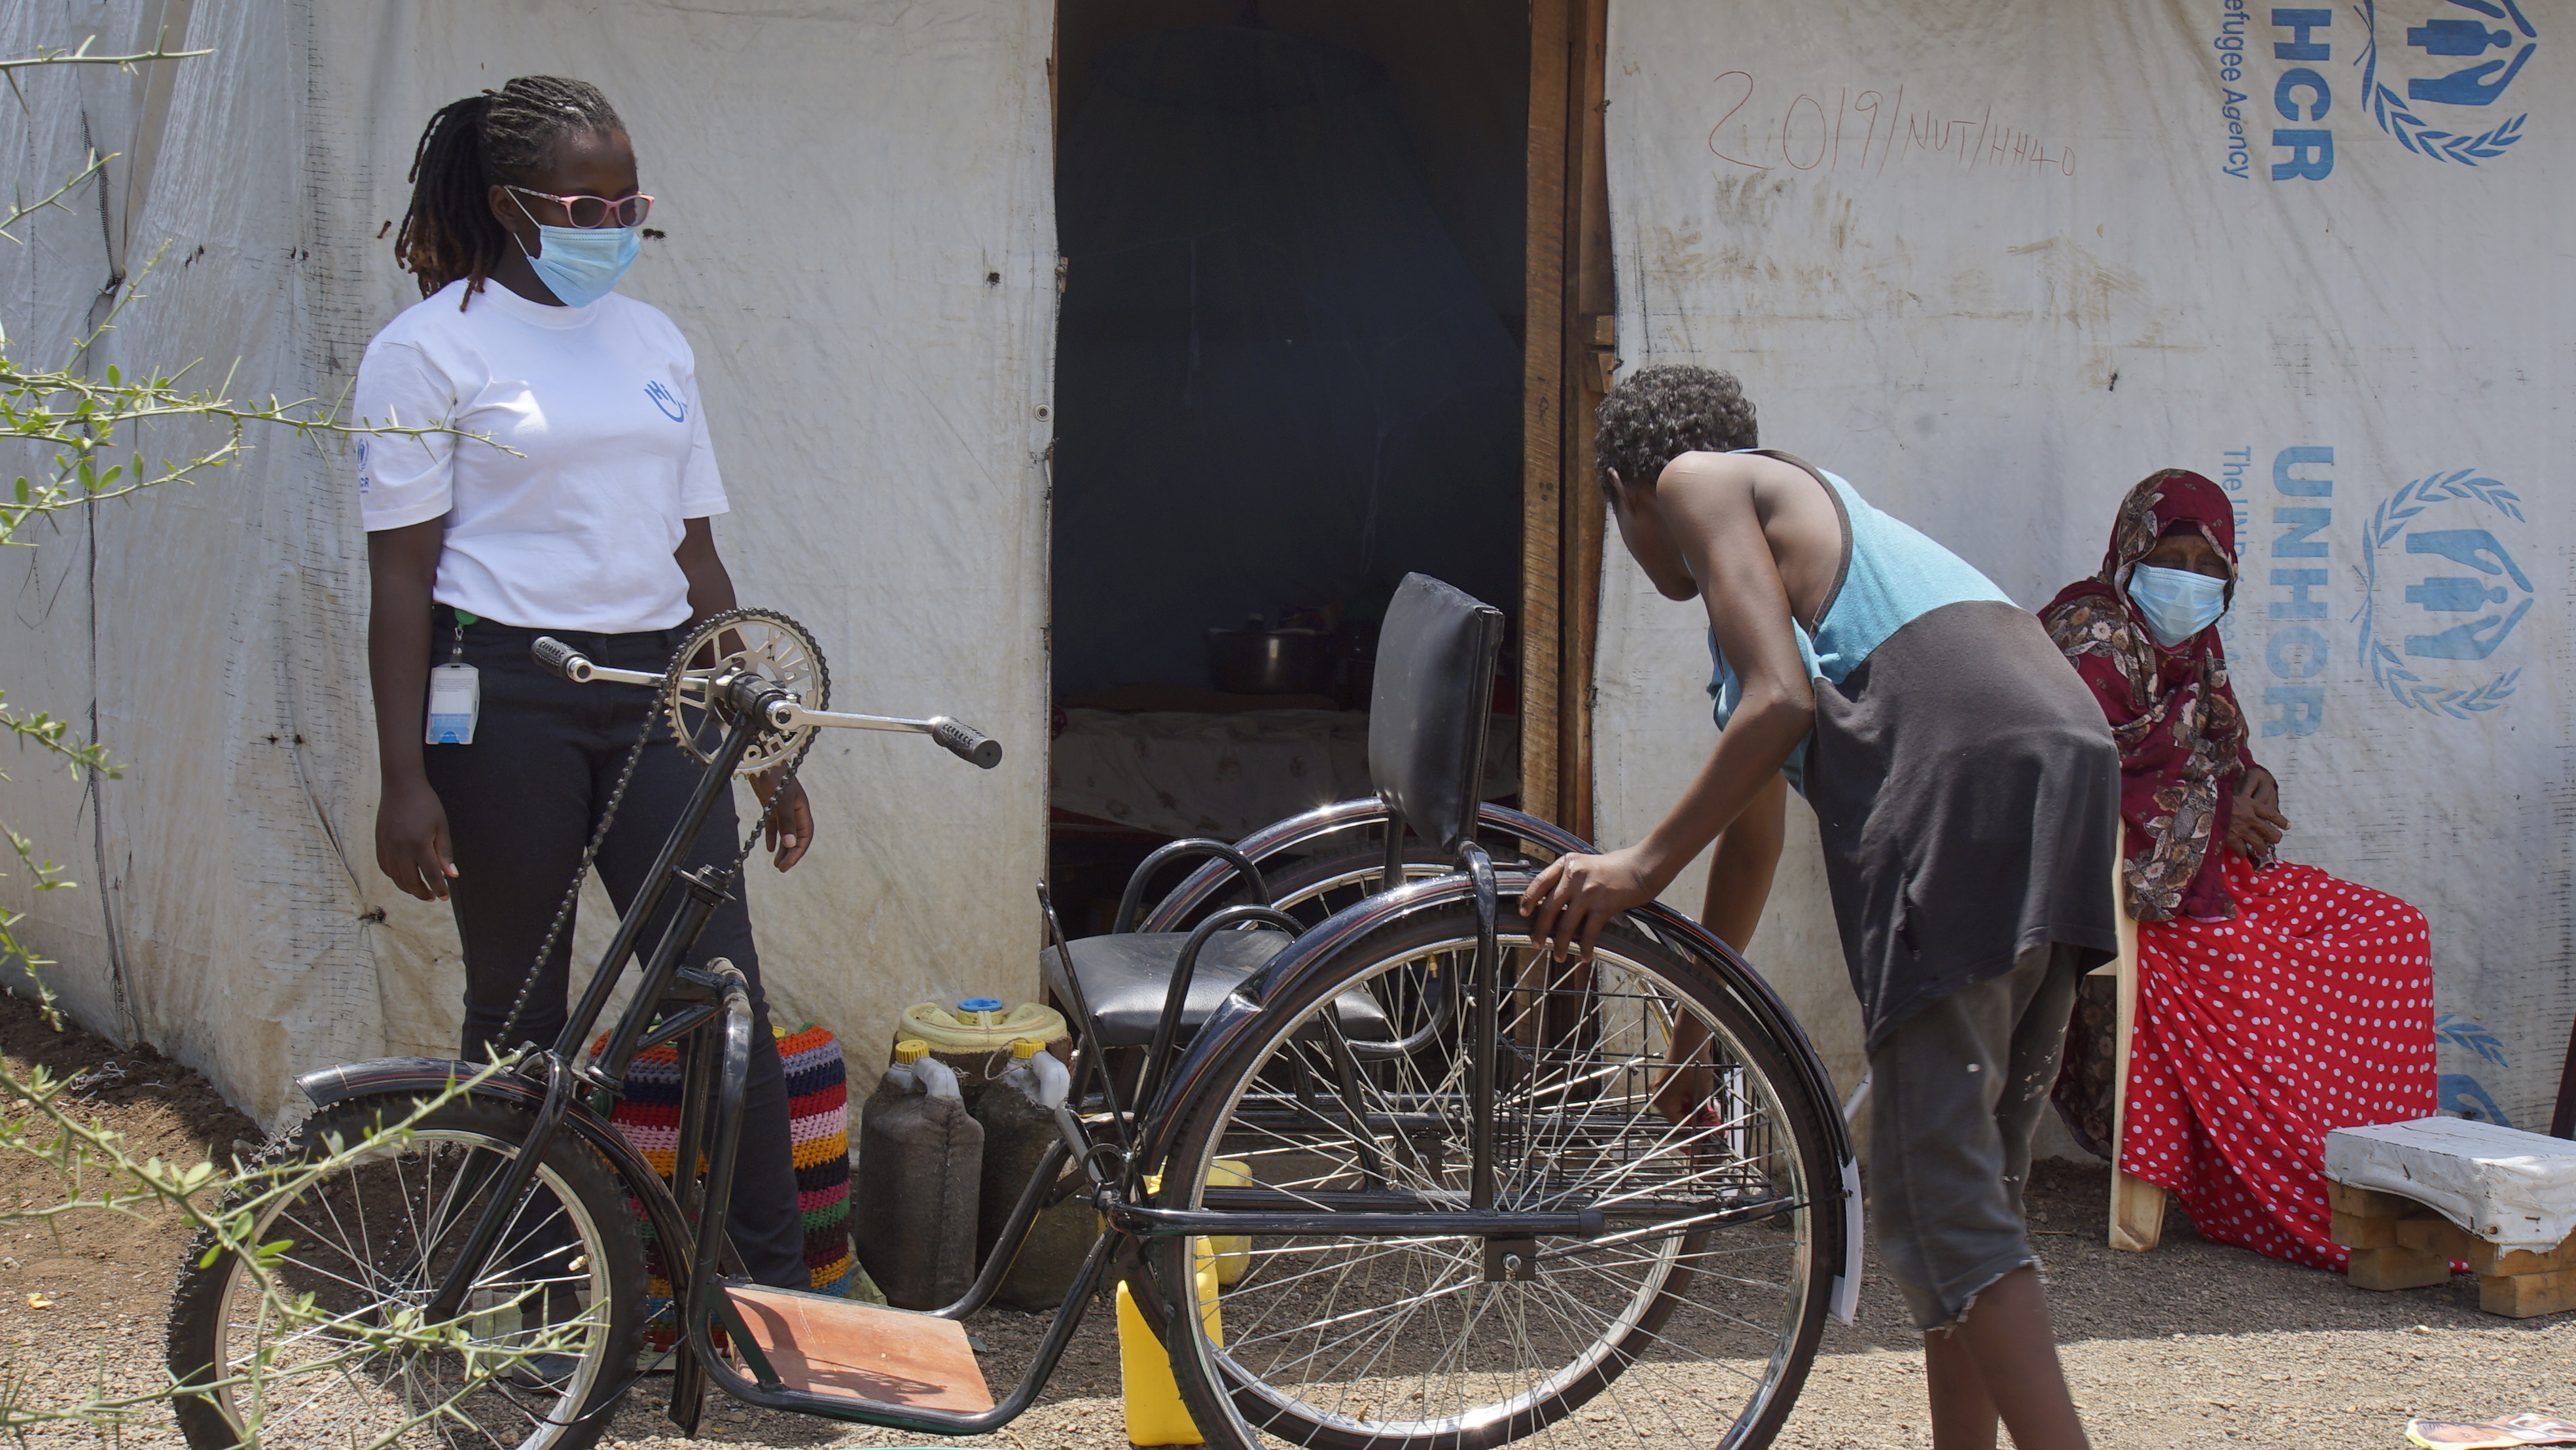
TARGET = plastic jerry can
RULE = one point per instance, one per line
(974, 1036)
(1018, 1115)
(921, 1161)
(1233, 1251)
(1155, 1415)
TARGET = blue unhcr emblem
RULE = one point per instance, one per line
(668, 401)
(2460, 1093)
(2463, 598)
(2448, 59)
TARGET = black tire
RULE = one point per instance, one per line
(353, 1238)
(1669, 1334)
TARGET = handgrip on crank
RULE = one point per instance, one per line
(966, 742)
(561, 658)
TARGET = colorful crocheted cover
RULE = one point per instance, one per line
(818, 1131)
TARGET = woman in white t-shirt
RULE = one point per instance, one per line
(589, 522)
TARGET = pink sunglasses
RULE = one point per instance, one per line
(589, 212)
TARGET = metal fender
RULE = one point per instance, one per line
(432, 1075)
(1200, 885)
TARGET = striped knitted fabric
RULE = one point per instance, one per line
(818, 1134)
(648, 1114)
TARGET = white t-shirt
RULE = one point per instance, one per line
(575, 530)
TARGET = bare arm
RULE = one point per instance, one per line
(1709, 504)
(791, 826)
(710, 587)
(411, 826)
(1740, 870)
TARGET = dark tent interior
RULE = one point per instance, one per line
(1288, 373)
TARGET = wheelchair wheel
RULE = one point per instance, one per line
(1318, 886)
(364, 1240)
(1691, 1319)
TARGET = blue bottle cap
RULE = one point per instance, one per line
(980, 1004)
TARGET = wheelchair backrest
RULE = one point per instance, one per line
(1428, 707)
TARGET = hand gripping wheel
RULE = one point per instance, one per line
(764, 642)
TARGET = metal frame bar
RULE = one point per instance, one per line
(1149, 1081)
(1581, 1223)
(1134, 897)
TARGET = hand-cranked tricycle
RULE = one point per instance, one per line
(1466, 1194)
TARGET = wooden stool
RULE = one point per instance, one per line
(2399, 1191)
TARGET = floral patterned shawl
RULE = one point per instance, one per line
(2180, 732)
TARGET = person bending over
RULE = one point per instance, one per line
(592, 527)
(1966, 793)
(2248, 968)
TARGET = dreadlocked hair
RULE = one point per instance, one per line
(1658, 414)
(469, 146)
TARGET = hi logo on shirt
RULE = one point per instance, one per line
(668, 401)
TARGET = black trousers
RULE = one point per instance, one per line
(521, 802)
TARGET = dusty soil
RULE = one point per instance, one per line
(2192, 1344)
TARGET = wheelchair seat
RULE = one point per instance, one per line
(1428, 706)
(1125, 978)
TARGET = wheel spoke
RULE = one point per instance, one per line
(369, 1240)
(1403, 1342)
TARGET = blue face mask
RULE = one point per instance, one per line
(2177, 602)
(580, 265)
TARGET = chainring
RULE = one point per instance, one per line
(768, 644)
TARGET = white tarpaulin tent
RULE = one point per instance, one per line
(1996, 263)
(1992, 264)
(859, 244)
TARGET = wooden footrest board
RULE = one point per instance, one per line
(849, 1349)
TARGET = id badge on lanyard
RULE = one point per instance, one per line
(455, 696)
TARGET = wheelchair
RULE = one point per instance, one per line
(1458, 1194)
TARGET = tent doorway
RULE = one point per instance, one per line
(1303, 324)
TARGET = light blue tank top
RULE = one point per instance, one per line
(1892, 575)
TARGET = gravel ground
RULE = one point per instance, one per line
(2190, 1345)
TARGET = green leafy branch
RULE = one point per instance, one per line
(97, 1172)
(99, 434)
(83, 417)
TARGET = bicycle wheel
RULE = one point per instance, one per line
(374, 1236)
(1692, 1319)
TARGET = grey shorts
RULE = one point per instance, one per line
(1955, 1093)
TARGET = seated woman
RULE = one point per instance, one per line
(2275, 1002)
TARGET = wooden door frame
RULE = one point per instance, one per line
(1567, 363)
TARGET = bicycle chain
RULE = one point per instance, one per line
(608, 818)
(580, 874)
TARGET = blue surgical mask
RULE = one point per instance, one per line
(2178, 603)
(580, 265)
